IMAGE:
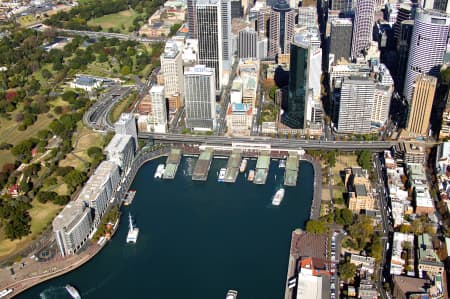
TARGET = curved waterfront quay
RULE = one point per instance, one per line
(78, 260)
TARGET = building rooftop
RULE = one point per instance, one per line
(171, 50)
(360, 190)
(69, 216)
(199, 70)
(118, 143)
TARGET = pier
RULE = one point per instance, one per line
(172, 162)
(291, 174)
(262, 168)
(202, 166)
(233, 167)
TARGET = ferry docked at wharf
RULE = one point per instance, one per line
(221, 176)
(243, 165)
(159, 171)
(72, 291)
(278, 197)
(251, 175)
(133, 232)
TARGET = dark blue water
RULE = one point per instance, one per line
(197, 239)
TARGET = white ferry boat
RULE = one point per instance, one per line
(133, 231)
(159, 171)
(73, 292)
(231, 294)
(221, 177)
(243, 165)
(251, 175)
(278, 197)
(5, 292)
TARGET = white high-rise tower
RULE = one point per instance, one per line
(428, 46)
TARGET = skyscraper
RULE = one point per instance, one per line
(341, 38)
(159, 111)
(236, 9)
(172, 70)
(262, 24)
(200, 98)
(341, 5)
(281, 28)
(247, 43)
(428, 46)
(404, 13)
(294, 117)
(192, 24)
(403, 45)
(307, 16)
(421, 104)
(355, 106)
(213, 19)
(362, 27)
(381, 103)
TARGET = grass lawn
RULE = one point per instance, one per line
(82, 140)
(41, 215)
(10, 134)
(6, 157)
(27, 20)
(121, 20)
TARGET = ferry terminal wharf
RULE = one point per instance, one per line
(262, 168)
(291, 171)
(172, 163)
(233, 165)
(202, 166)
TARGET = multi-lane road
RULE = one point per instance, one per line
(97, 117)
(293, 144)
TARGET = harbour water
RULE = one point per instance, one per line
(197, 239)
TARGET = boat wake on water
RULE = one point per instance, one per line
(54, 292)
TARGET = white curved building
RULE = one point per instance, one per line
(428, 46)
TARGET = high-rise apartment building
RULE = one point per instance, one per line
(421, 104)
(72, 227)
(192, 24)
(428, 46)
(172, 70)
(126, 125)
(120, 150)
(200, 98)
(247, 43)
(441, 5)
(363, 26)
(213, 19)
(341, 38)
(355, 105)
(281, 28)
(159, 111)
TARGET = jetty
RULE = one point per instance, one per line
(172, 162)
(129, 196)
(202, 166)
(233, 167)
(262, 168)
(291, 172)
